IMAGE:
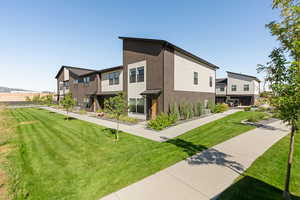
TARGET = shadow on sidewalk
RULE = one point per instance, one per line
(215, 157)
(200, 155)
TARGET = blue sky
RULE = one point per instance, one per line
(37, 37)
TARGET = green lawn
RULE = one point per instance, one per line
(60, 159)
(265, 178)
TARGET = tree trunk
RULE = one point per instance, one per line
(286, 193)
(117, 133)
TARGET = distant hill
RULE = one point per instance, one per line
(7, 89)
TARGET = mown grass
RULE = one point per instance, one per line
(6, 134)
(266, 176)
(72, 159)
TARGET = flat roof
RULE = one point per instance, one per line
(173, 46)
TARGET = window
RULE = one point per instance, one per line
(136, 75)
(111, 78)
(233, 88)
(246, 87)
(140, 107)
(137, 105)
(66, 84)
(195, 78)
(132, 75)
(222, 89)
(210, 81)
(140, 75)
(75, 81)
(114, 78)
(132, 105)
(86, 79)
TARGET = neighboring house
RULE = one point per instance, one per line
(155, 74)
(240, 88)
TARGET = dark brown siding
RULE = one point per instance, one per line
(135, 51)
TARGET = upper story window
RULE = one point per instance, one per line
(222, 89)
(136, 75)
(66, 84)
(210, 81)
(114, 78)
(195, 78)
(132, 75)
(140, 74)
(86, 79)
(75, 81)
(246, 87)
(233, 88)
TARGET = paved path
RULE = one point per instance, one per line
(141, 130)
(205, 175)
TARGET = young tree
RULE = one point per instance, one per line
(116, 106)
(48, 99)
(68, 103)
(36, 99)
(284, 75)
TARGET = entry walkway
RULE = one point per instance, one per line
(205, 175)
(141, 130)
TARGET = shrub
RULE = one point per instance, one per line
(261, 109)
(174, 112)
(99, 110)
(126, 118)
(162, 121)
(211, 106)
(258, 116)
(219, 108)
(191, 113)
(82, 112)
(247, 108)
(199, 109)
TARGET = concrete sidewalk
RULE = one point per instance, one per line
(205, 175)
(141, 130)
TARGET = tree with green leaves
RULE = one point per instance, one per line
(48, 99)
(36, 99)
(116, 106)
(68, 103)
(283, 73)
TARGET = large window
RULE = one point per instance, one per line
(246, 87)
(132, 75)
(114, 78)
(210, 81)
(233, 88)
(136, 75)
(137, 105)
(195, 78)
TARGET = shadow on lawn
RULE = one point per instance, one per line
(70, 118)
(188, 147)
(249, 188)
(109, 132)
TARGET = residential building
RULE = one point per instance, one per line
(240, 89)
(154, 74)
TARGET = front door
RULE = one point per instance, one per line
(154, 108)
